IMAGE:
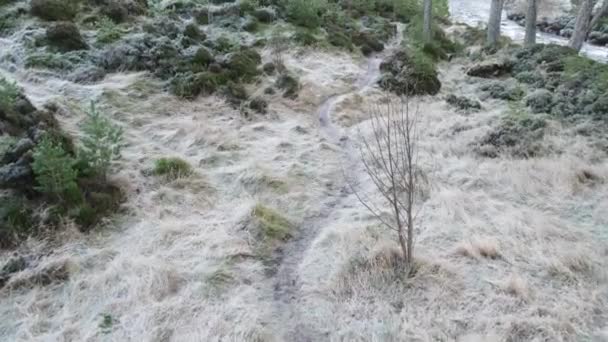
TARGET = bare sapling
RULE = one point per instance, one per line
(389, 155)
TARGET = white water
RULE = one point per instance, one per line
(476, 12)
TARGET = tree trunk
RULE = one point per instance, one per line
(582, 26)
(428, 17)
(494, 22)
(599, 15)
(531, 23)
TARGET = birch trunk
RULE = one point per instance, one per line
(428, 17)
(494, 23)
(531, 13)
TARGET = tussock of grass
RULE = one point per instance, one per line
(272, 225)
(172, 168)
(479, 248)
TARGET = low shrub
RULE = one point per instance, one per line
(172, 168)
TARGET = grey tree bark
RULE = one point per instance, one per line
(427, 28)
(531, 14)
(494, 22)
(583, 24)
(601, 12)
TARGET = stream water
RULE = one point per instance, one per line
(476, 12)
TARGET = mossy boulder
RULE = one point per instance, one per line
(65, 36)
(490, 69)
(409, 73)
(54, 10)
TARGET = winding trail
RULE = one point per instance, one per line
(286, 281)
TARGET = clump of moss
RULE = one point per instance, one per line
(271, 224)
(172, 168)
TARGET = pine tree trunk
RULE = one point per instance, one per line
(582, 26)
(428, 17)
(530, 38)
(494, 23)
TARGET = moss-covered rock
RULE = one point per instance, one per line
(409, 73)
(54, 10)
(65, 36)
(490, 69)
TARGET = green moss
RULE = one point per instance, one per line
(108, 31)
(172, 168)
(46, 60)
(271, 224)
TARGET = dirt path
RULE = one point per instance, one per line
(286, 281)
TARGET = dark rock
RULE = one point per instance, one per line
(490, 69)
(17, 175)
(17, 151)
(65, 36)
